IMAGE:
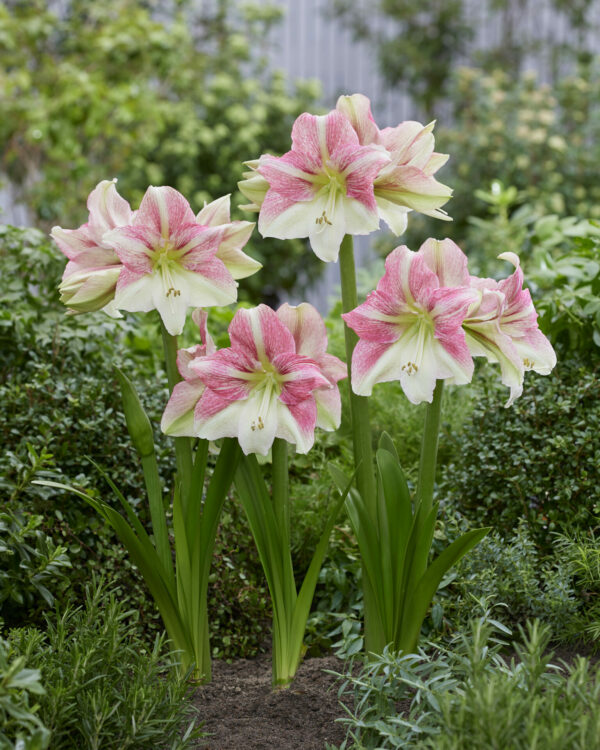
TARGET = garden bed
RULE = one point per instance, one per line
(241, 710)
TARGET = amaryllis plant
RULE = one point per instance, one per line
(166, 258)
(422, 326)
(275, 384)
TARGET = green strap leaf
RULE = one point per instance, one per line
(142, 438)
(417, 604)
(387, 444)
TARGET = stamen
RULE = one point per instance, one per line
(410, 368)
(528, 363)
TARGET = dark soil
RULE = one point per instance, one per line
(241, 711)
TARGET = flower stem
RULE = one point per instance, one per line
(429, 448)
(359, 405)
(183, 448)
(281, 498)
(361, 439)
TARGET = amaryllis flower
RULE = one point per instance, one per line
(260, 387)
(410, 329)
(170, 260)
(406, 182)
(308, 329)
(90, 277)
(503, 328)
(321, 189)
(178, 417)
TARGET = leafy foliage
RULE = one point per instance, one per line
(29, 563)
(104, 688)
(151, 93)
(535, 461)
(433, 35)
(542, 140)
(20, 726)
(238, 598)
(469, 696)
(509, 573)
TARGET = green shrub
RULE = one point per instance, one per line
(29, 563)
(540, 139)
(20, 726)
(104, 687)
(536, 460)
(509, 571)
(470, 696)
(238, 598)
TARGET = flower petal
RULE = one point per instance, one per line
(447, 261)
(357, 108)
(178, 417)
(163, 210)
(259, 334)
(215, 213)
(107, 208)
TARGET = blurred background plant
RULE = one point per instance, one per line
(175, 93)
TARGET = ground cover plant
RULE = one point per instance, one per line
(470, 694)
(103, 687)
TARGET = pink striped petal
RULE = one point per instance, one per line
(398, 140)
(260, 334)
(163, 210)
(288, 176)
(447, 261)
(74, 242)
(357, 108)
(329, 408)
(301, 376)
(107, 208)
(178, 417)
(134, 246)
(306, 326)
(296, 424)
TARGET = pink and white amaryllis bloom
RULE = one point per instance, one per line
(410, 329)
(406, 183)
(90, 277)
(503, 328)
(260, 387)
(178, 417)
(169, 260)
(321, 189)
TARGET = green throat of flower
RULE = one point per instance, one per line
(165, 260)
(333, 185)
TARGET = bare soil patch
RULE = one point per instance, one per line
(241, 711)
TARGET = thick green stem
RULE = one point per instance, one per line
(359, 405)
(429, 448)
(281, 498)
(361, 438)
(183, 448)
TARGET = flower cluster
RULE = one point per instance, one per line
(342, 175)
(428, 318)
(275, 380)
(160, 257)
